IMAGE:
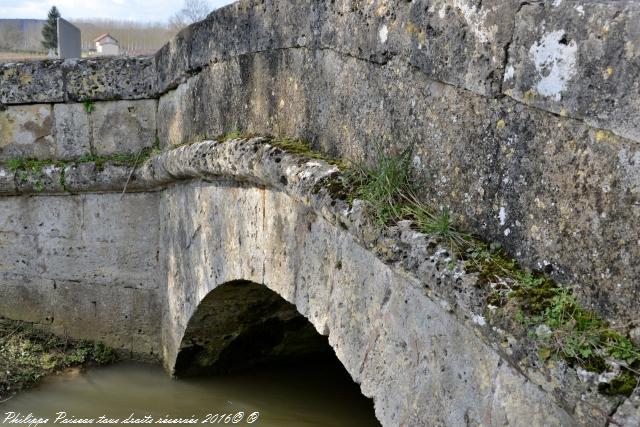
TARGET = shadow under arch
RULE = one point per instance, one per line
(241, 325)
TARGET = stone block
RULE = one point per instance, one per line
(72, 131)
(109, 78)
(628, 413)
(31, 82)
(460, 42)
(27, 131)
(176, 115)
(579, 59)
(123, 126)
(172, 60)
(26, 298)
(123, 318)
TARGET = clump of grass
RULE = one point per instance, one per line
(577, 335)
(389, 189)
(438, 223)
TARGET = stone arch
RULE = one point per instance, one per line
(241, 325)
(409, 350)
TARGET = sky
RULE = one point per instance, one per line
(136, 10)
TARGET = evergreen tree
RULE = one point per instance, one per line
(50, 29)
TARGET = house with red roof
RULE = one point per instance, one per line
(106, 44)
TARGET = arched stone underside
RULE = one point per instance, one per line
(242, 325)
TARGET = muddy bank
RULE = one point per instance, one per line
(28, 354)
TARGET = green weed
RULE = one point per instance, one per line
(89, 106)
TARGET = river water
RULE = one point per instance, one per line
(316, 396)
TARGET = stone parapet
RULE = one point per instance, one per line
(54, 81)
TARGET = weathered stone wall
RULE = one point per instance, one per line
(69, 131)
(76, 261)
(84, 266)
(549, 170)
(523, 117)
(404, 323)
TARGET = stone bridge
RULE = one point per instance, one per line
(524, 121)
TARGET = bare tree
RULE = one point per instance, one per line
(192, 11)
(10, 36)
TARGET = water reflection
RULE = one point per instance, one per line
(319, 394)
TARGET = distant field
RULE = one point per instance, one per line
(20, 56)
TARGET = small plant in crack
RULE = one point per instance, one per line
(89, 106)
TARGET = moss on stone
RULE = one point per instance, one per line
(303, 148)
(336, 186)
(623, 384)
(31, 165)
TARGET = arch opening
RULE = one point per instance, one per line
(243, 325)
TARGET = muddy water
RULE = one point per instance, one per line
(317, 395)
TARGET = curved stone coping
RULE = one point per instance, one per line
(426, 35)
(415, 255)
